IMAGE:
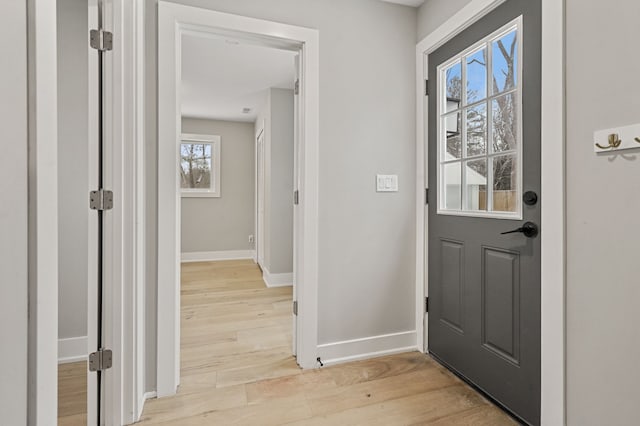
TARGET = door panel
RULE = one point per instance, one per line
(484, 152)
(452, 261)
(501, 302)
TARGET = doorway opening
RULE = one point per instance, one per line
(284, 168)
(236, 208)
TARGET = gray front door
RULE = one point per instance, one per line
(484, 180)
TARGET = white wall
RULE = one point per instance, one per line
(603, 241)
(73, 169)
(367, 126)
(13, 213)
(434, 13)
(277, 118)
(224, 223)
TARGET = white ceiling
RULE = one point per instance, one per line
(221, 77)
(414, 3)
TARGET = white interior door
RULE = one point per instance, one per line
(260, 204)
(93, 404)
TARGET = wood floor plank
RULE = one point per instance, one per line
(72, 392)
(237, 367)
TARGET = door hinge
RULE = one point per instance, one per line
(426, 195)
(100, 360)
(296, 87)
(101, 200)
(296, 197)
(426, 87)
(426, 304)
(101, 40)
(295, 307)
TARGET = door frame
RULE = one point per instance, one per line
(553, 244)
(124, 240)
(42, 116)
(173, 19)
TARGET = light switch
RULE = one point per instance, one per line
(387, 183)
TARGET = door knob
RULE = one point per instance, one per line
(529, 229)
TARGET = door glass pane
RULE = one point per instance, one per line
(477, 130)
(476, 184)
(453, 76)
(505, 122)
(452, 179)
(451, 124)
(505, 62)
(505, 183)
(477, 76)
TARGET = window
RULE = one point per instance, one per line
(479, 128)
(200, 165)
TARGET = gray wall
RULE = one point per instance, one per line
(278, 116)
(603, 275)
(434, 13)
(73, 168)
(224, 223)
(280, 202)
(13, 213)
(367, 126)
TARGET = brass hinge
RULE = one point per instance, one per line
(101, 200)
(101, 40)
(100, 360)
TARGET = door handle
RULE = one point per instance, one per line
(529, 229)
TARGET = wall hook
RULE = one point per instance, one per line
(638, 140)
(614, 142)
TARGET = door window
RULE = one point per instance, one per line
(479, 128)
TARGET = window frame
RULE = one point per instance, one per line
(486, 42)
(214, 189)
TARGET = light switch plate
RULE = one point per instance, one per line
(387, 183)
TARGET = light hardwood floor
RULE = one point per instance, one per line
(72, 394)
(237, 368)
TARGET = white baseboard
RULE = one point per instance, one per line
(277, 280)
(208, 256)
(150, 395)
(368, 347)
(73, 349)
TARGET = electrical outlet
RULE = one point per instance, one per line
(250, 238)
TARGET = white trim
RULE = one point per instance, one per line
(553, 222)
(150, 395)
(367, 347)
(123, 326)
(72, 349)
(210, 256)
(174, 20)
(43, 213)
(277, 280)
(553, 240)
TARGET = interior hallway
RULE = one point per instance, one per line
(237, 367)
